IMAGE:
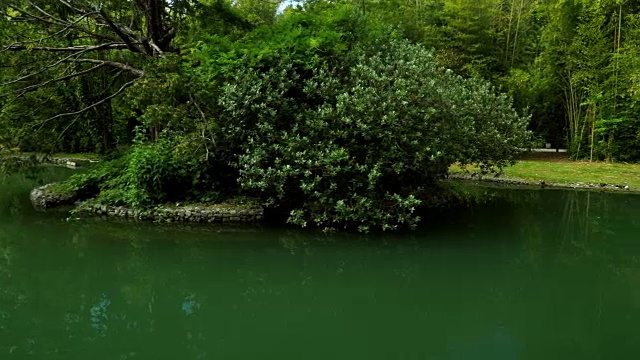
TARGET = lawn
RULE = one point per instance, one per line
(81, 156)
(563, 171)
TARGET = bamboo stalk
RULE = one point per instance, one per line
(515, 37)
(506, 50)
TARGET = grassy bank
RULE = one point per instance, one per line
(80, 156)
(557, 168)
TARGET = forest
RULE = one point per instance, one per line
(336, 111)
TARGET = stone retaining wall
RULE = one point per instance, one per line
(543, 184)
(202, 213)
(42, 199)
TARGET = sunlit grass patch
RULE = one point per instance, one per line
(570, 172)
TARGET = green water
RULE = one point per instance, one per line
(544, 274)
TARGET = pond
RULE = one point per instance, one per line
(536, 274)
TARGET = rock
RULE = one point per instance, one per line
(42, 198)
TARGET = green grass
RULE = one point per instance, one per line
(569, 172)
(80, 156)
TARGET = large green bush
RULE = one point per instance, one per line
(356, 144)
(314, 117)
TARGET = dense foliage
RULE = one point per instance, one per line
(338, 113)
(357, 143)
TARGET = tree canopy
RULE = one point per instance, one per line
(338, 111)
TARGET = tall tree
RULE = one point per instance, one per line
(65, 41)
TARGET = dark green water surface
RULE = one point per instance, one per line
(538, 274)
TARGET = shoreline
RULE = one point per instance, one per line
(540, 184)
(229, 213)
(233, 212)
(220, 213)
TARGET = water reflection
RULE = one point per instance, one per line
(99, 316)
(497, 343)
(535, 274)
(190, 305)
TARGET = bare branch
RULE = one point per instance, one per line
(54, 21)
(70, 25)
(85, 48)
(204, 128)
(32, 16)
(124, 33)
(67, 4)
(156, 49)
(114, 64)
(43, 69)
(52, 81)
(71, 123)
(42, 11)
(74, 25)
(96, 104)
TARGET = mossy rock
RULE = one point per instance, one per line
(50, 196)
